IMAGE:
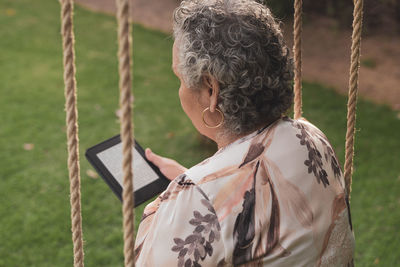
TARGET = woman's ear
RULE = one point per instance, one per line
(207, 81)
(213, 90)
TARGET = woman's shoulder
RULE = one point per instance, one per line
(303, 124)
(299, 149)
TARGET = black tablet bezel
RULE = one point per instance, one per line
(143, 194)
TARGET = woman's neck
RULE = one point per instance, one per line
(223, 140)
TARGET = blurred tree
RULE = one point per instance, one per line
(379, 15)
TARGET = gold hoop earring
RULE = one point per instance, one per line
(216, 126)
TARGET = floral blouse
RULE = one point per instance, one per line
(272, 198)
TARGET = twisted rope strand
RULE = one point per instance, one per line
(72, 128)
(297, 29)
(124, 43)
(353, 89)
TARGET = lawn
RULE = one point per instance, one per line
(34, 187)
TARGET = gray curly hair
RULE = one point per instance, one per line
(239, 43)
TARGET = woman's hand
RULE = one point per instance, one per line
(169, 167)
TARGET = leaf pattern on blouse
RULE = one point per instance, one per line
(245, 224)
(255, 150)
(331, 156)
(230, 195)
(269, 240)
(314, 161)
(274, 224)
(195, 247)
(308, 136)
(244, 228)
(292, 199)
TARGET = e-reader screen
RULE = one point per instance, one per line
(106, 158)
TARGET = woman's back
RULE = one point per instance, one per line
(274, 197)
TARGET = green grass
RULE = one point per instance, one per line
(369, 63)
(34, 187)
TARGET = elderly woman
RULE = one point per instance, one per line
(273, 194)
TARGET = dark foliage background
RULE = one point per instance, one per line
(379, 15)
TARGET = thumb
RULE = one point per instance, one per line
(154, 158)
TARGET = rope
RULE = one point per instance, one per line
(72, 128)
(353, 88)
(297, 28)
(124, 44)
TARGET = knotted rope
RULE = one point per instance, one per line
(353, 89)
(124, 46)
(297, 28)
(72, 128)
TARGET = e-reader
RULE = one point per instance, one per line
(106, 158)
